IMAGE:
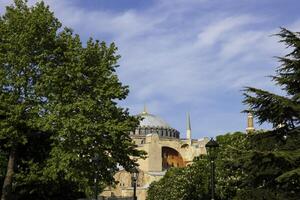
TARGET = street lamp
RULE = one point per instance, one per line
(211, 148)
(134, 177)
(96, 161)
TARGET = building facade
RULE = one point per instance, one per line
(165, 149)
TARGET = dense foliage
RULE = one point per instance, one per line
(193, 182)
(58, 108)
(273, 166)
(229, 170)
(188, 183)
(3, 164)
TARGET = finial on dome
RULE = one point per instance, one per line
(145, 110)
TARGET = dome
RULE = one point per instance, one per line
(149, 120)
(153, 124)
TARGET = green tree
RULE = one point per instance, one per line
(59, 93)
(193, 182)
(82, 91)
(29, 181)
(229, 164)
(273, 166)
(189, 183)
(26, 36)
(3, 165)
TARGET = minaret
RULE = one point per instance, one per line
(145, 110)
(188, 127)
(250, 124)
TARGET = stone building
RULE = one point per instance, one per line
(165, 149)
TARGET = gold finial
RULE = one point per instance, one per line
(145, 110)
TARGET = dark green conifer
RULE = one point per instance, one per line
(273, 166)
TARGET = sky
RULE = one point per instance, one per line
(192, 56)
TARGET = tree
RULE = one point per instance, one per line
(54, 88)
(29, 181)
(3, 164)
(82, 95)
(193, 182)
(273, 166)
(190, 183)
(26, 35)
(229, 164)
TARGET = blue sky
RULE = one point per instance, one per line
(191, 56)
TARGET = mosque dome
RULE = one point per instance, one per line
(149, 120)
(150, 124)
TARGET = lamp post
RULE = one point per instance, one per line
(134, 177)
(96, 161)
(211, 148)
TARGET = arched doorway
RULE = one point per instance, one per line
(171, 158)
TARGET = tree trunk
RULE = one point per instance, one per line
(7, 185)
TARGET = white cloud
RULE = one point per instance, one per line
(216, 31)
(176, 56)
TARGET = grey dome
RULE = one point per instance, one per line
(153, 124)
(149, 120)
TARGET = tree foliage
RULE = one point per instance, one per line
(190, 183)
(273, 165)
(229, 169)
(82, 94)
(193, 182)
(26, 36)
(58, 106)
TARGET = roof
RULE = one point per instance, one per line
(149, 120)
